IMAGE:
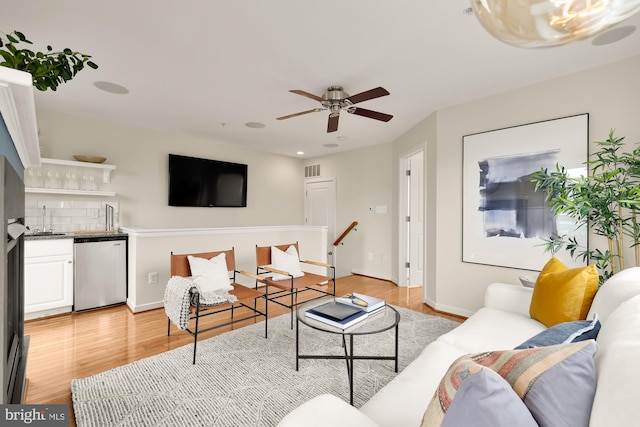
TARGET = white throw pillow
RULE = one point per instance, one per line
(288, 261)
(210, 275)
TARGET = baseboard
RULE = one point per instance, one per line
(450, 309)
(446, 309)
(48, 313)
(438, 307)
(431, 303)
(144, 307)
(375, 276)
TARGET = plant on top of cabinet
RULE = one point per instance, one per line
(49, 69)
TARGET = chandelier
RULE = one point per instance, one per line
(545, 23)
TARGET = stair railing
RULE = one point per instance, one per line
(351, 227)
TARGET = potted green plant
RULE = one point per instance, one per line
(49, 69)
(605, 199)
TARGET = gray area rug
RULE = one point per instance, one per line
(242, 379)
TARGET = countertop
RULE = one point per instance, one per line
(72, 235)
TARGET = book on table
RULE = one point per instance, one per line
(364, 302)
(335, 314)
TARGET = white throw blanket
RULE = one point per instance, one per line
(177, 299)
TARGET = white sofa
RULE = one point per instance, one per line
(501, 324)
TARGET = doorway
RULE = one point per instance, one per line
(412, 220)
(320, 209)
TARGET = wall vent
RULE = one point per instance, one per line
(311, 171)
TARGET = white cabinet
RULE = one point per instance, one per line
(48, 277)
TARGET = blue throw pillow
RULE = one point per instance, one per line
(487, 400)
(564, 333)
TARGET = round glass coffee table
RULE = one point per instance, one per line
(375, 323)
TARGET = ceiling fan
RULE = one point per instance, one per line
(336, 99)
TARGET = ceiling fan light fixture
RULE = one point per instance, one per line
(335, 93)
(546, 23)
(336, 99)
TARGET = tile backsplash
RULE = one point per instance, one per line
(69, 215)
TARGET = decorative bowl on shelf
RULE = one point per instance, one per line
(89, 159)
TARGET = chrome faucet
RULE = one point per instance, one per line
(108, 217)
(44, 230)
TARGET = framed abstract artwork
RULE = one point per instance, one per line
(504, 220)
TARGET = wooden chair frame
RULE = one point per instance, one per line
(290, 288)
(180, 267)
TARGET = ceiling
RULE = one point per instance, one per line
(206, 68)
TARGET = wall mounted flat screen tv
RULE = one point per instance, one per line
(206, 183)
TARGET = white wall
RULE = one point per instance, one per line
(275, 183)
(609, 94)
(274, 197)
(423, 136)
(150, 251)
(364, 179)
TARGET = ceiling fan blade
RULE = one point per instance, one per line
(370, 94)
(299, 114)
(332, 124)
(370, 114)
(307, 94)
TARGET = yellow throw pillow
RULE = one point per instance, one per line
(562, 294)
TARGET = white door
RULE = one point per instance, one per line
(412, 196)
(320, 208)
(416, 223)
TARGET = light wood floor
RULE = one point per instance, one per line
(78, 345)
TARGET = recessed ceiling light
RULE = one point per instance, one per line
(111, 87)
(330, 145)
(613, 35)
(300, 153)
(255, 125)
